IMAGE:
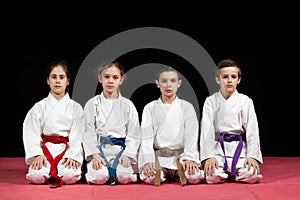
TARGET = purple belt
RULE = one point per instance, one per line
(229, 138)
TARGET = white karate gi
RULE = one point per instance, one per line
(235, 115)
(111, 118)
(173, 126)
(59, 118)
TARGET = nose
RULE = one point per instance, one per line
(169, 83)
(110, 80)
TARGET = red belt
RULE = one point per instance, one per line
(54, 162)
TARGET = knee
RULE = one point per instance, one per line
(125, 178)
(245, 175)
(70, 176)
(219, 176)
(38, 176)
(213, 179)
(97, 176)
(148, 180)
(195, 178)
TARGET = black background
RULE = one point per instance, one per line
(260, 39)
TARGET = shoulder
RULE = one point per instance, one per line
(126, 101)
(187, 106)
(212, 100)
(244, 99)
(38, 107)
(40, 104)
(76, 105)
(246, 102)
(185, 103)
(91, 100)
(212, 96)
(91, 104)
(127, 104)
(244, 96)
(151, 104)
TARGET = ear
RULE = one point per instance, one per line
(156, 82)
(179, 83)
(239, 80)
(99, 79)
(217, 80)
(122, 80)
(48, 82)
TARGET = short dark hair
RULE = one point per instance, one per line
(227, 63)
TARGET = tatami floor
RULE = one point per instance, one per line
(281, 181)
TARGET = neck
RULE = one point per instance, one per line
(111, 95)
(226, 95)
(58, 96)
(168, 100)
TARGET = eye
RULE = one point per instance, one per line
(173, 80)
(224, 76)
(163, 80)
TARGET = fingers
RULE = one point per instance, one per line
(124, 161)
(73, 164)
(209, 167)
(96, 164)
(36, 165)
(190, 167)
(44, 161)
(100, 160)
(148, 169)
(252, 162)
(70, 163)
(149, 173)
(65, 161)
(255, 167)
(38, 162)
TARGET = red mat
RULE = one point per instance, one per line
(281, 181)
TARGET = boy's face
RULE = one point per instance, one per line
(228, 80)
(168, 83)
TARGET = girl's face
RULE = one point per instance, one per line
(111, 79)
(228, 80)
(168, 83)
(58, 81)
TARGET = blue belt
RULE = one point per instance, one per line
(112, 168)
